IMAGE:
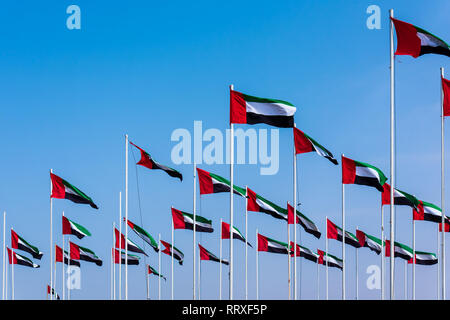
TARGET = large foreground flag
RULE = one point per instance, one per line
(334, 232)
(17, 242)
(305, 222)
(15, 258)
(70, 227)
(184, 220)
(236, 233)
(120, 258)
(80, 253)
(151, 270)
(446, 92)
(270, 245)
(212, 183)
(400, 250)
(206, 255)
(252, 110)
(144, 235)
(356, 172)
(304, 143)
(304, 253)
(177, 254)
(425, 258)
(428, 212)
(414, 41)
(401, 198)
(147, 161)
(328, 259)
(61, 189)
(59, 256)
(257, 203)
(52, 292)
(120, 243)
(369, 241)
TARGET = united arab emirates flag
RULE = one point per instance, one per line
(52, 292)
(414, 41)
(306, 223)
(147, 161)
(252, 110)
(212, 183)
(70, 227)
(206, 255)
(80, 253)
(400, 250)
(120, 258)
(184, 220)
(369, 241)
(329, 260)
(144, 235)
(17, 242)
(59, 257)
(270, 245)
(447, 227)
(304, 253)
(355, 172)
(177, 254)
(334, 232)
(120, 243)
(61, 189)
(425, 258)
(151, 270)
(236, 233)
(428, 212)
(257, 203)
(304, 143)
(401, 198)
(15, 258)
(446, 92)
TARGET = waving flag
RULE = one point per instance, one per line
(206, 255)
(266, 244)
(144, 235)
(401, 198)
(15, 258)
(61, 189)
(17, 242)
(304, 143)
(425, 258)
(120, 243)
(369, 241)
(184, 220)
(59, 257)
(355, 172)
(151, 270)
(52, 292)
(428, 212)
(257, 203)
(334, 232)
(252, 110)
(304, 253)
(80, 253)
(212, 183)
(400, 250)
(414, 41)
(177, 254)
(236, 233)
(70, 227)
(446, 91)
(120, 258)
(326, 258)
(447, 227)
(149, 163)
(306, 223)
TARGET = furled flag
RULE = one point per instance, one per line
(59, 257)
(428, 212)
(70, 227)
(355, 172)
(400, 198)
(425, 258)
(306, 223)
(270, 245)
(15, 258)
(131, 245)
(236, 233)
(61, 189)
(183, 220)
(257, 203)
(177, 254)
(144, 235)
(334, 232)
(400, 250)
(304, 143)
(206, 255)
(304, 253)
(17, 242)
(119, 258)
(414, 41)
(151, 270)
(369, 241)
(252, 110)
(147, 161)
(52, 292)
(328, 259)
(80, 253)
(446, 92)
(212, 183)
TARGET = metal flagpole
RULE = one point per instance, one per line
(4, 256)
(289, 259)
(257, 266)
(68, 267)
(392, 151)
(54, 275)
(220, 254)
(13, 255)
(159, 266)
(343, 240)
(357, 280)
(326, 252)
(414, 261)
(438, 272)
(63, 284)
(173, 248)
(113, 263)
(231, 200)
(194, 227)
(148, 283)
(382, 252)
(199, 277)
(442, 189)
(406, 280)
(51, 235)
(246, 246)
(120, 245)
(126, 216)
(295, 223)
(318, 280)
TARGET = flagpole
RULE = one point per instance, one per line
(148, 283)
(357, 280)
(442, 188)
(438, 272)
(382, 252)
(326, 252)
(13, 255)
(51, 235)
(295, 223)
(159, 266)
(113, 263)
(220, 270)
(343, 240)
(231, 201)
(70, 259)
(414, 261)
(392, 151)
(126, 216)
(4, 255)
(54, 275)
(173, 248)
(289, 259)
(199, 277)
(63, 284)
(246, 245)
(120, 245)
(318, 280)
(257, 266)
(406, 280)
(193, 228)
(111, 279)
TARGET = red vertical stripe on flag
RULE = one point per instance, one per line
(291, 214)
(204, 254)
(387, 252)
(420, 213)
(205, 182)
(408, 42)
(14, 240)
(302, 143)
(320, 253)
(66, 229)
(238, 109)
(145, 160)
(361, 237)
(263, 244)
(447, 227)
(58, 254)
(58, 189)
(386, 194)
(74, 251)
(332, 232)
(297, 251)
(120, 239)
(251, 201)
(178, 219)
(225, 230)
(348, 171)
(446, 90)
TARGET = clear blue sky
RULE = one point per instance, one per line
(69, 96)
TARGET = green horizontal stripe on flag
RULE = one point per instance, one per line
(428, 204)
(76, 190)
(197, 218)
(80, 228)
(383, 178)
(374, 239)
(278, 242)
(225, 181)
(249, 98)
(273, 205)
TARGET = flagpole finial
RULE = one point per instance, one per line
(231, 87)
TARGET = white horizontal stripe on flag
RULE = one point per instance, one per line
(367, 172)
(270, 109)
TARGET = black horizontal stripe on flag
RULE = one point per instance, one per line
(276, 121)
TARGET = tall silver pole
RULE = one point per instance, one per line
(159, 266)
(220, 267)
(231, 200)
(199, 277)
(114, 263)
(173, 248)
(63, 284)
(442, 189)
(343, 240)
(295, 223)
(246, 245)
(4, 256)
(414, 261)
(318, 280)
(257, 266)
(51, 236)
(392, 164)
(406, 280)
(438, 271)
(382, 252)
(126, 216)
(194, 241)
(289, 259)
(148, 284)
(326, 252)
(13, 254)
(357, 280)
(120, 245)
